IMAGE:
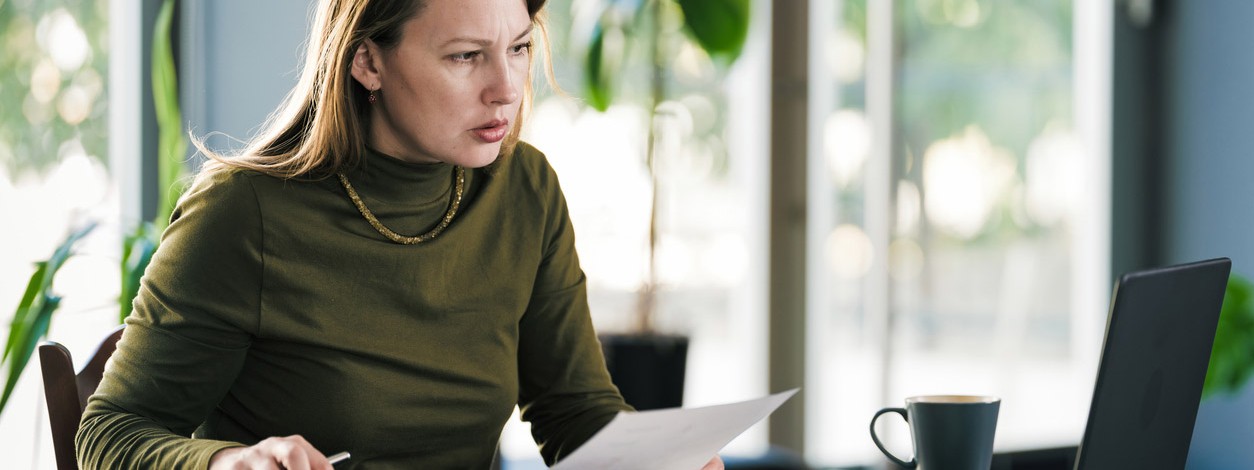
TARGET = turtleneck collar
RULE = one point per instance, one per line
(392, 180)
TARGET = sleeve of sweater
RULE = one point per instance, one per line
(565, 391)
(187, 337)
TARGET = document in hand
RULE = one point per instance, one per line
(676, 438)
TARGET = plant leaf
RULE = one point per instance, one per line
(171, 143)
(597, 84)
(63, 252)
(34, 313)
(719, 26)
(28, 337)
(137, 252)
(28, 304)
(1232, 357)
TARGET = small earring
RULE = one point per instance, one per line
(372, 98)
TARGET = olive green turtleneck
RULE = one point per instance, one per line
(273, 308)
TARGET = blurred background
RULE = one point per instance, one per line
(872, 199)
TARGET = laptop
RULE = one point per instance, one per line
(1158, 343)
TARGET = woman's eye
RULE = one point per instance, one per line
(521, 48)
(464, 56)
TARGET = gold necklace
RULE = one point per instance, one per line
(454, 203)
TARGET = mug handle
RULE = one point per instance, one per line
(901, 411)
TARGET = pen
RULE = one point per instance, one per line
(337, 458)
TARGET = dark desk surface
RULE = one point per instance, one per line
(1057, 458)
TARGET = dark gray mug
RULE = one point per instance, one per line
(949, 431)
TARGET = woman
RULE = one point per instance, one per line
(385, 271)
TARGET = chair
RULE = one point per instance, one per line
(67, 392)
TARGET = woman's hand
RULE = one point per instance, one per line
(715, 463)
(291, 453)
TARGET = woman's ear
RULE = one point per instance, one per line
(366, 66)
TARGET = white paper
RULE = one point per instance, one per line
(671, 439)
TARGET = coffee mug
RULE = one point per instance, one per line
(949, 431)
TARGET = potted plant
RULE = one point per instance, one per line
(39, 302)
(648, 366)
(1232, 358)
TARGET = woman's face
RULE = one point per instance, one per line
(451, 88)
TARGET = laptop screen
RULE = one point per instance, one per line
(1149, 383)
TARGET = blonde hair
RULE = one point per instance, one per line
(321, 126)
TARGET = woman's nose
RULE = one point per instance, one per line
(502, 86)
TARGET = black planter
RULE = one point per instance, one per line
(648, 369)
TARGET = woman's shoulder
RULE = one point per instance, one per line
(228, 180)
(527, 151)
(223, 182)
(238, 195)
(229, 188)
(216, 202)
(530, 163)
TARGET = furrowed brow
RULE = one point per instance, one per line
(484, 42)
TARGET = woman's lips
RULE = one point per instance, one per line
(492, 132)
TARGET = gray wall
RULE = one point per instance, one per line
(1210, 172)
(241, 57)
(1209, 178)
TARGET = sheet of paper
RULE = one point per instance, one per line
(671, 439)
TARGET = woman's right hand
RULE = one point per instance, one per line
(291, 453)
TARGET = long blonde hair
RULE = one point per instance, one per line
(321, 126)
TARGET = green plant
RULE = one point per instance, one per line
(34, 312)
(716, 27)
(171, 141)
(1232, 359)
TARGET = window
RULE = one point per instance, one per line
(958, 215)
(712, 204)
(54, 176)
